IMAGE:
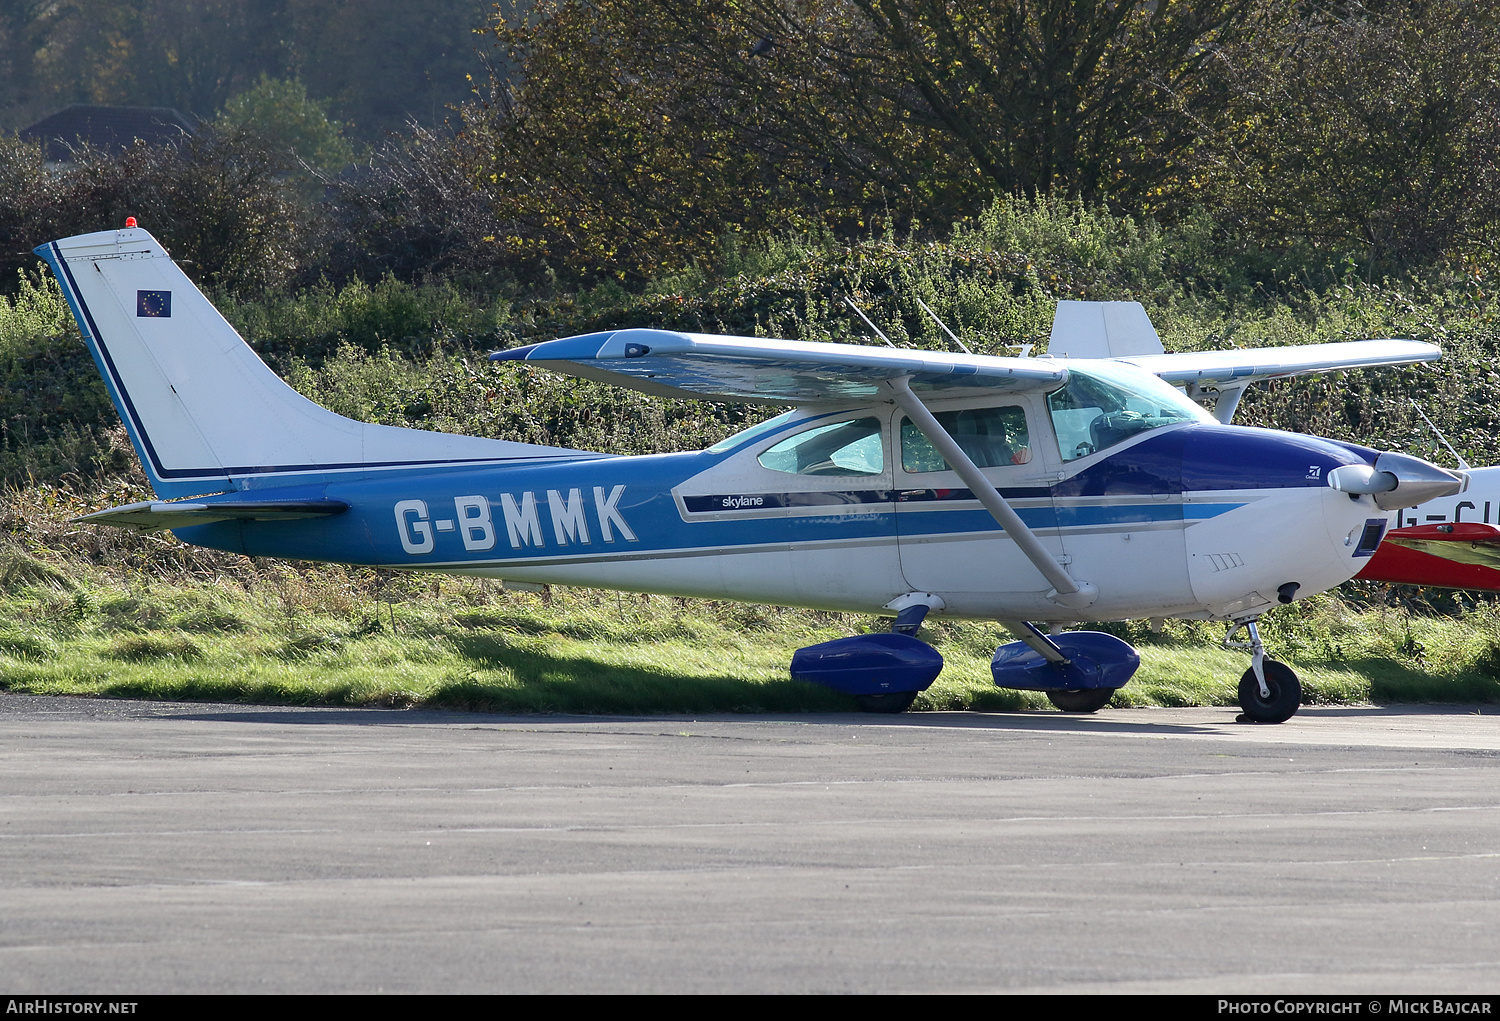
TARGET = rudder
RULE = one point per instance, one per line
(204, 412)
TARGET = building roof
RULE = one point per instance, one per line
(106, 127)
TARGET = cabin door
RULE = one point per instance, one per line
(949, 544)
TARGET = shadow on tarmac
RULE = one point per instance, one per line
(1123, 722)
(1218, 719)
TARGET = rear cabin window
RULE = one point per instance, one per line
(843, 448)
(990, 436)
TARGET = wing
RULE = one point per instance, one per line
(1240, 367)
(759, 370)
(765, 371)
(1464, 543)
(154, 515)
(1464, 554)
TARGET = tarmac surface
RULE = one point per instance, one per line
(151, 847)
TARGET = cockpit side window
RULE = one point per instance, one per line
(1101, 407)
(990, 436)
(843, 448)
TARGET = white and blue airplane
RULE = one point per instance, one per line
(1030, 491)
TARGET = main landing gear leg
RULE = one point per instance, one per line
(884, 670)
(1077, 670)
(906, 623)
(1269, 691)
(909, 619)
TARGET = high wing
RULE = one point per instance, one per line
(763, 371)
(1224, 375)
(766, 371)
(1121, 330)
(1240, 367)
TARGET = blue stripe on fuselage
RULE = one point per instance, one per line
(625, 507)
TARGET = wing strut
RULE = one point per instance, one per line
(1065, 590)
(1039, 642)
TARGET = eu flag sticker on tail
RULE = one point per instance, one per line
(153, 304)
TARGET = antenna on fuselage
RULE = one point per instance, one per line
(850, 302)
(1462, 464)
(953, 336)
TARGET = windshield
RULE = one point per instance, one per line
(1109, 402)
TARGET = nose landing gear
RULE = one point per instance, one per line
(1269, 691)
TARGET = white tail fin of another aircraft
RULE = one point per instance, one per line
(204, 412)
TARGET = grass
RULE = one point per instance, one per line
(230, 629)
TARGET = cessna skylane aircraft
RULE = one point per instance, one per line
(1037, 492)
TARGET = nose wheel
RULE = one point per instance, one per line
(1269, 691)
(1282, 696)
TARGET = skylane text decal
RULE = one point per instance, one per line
(474, 521)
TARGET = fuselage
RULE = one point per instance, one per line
(1190, 520)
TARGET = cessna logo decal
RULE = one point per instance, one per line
(474, 520)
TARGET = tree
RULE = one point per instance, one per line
(279, 111)
(1370, 128)
(191, 54)
(378, 63)
(219, 201)
(385, 63)
(637, 130)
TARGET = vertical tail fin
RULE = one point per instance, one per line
(1102, 329)
(204, 412)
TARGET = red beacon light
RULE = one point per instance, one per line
(129, 222)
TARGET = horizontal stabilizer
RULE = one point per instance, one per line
(154, 515)
(1102, 329)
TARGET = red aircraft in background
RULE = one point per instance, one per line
(1453, 542)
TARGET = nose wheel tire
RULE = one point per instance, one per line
(1081, 700)
(887, 702)
(1285, 696)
